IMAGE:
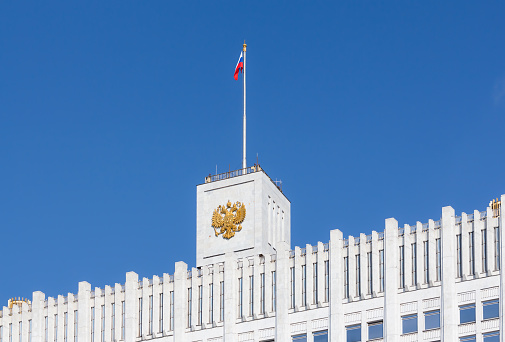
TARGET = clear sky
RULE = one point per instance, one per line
(111, 112)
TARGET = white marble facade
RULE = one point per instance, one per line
(254, 287)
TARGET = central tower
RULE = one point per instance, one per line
(241, 211)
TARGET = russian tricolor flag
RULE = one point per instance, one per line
(240, 66)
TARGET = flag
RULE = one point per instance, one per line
(239, 67)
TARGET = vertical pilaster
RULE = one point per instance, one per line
(282, 332)
(230, 296)
(337, 326)
(156, 290)
(449, 305)
(351, 258)
(320, 272)
(109, 299)
(37, 317)
(391, 304)
(465, 246)
(501, 224)
(363, 264)
(309, 276)
(180, 300)
(206, 280)
(117, 312)
(432, 252)
(477, 233)
(419, 254)
(84, 312)
(131, 306)
(166, 303)
(407, 242)
(257, 286)
(298, 279)
(375, 263)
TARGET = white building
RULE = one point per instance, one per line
(434, 281)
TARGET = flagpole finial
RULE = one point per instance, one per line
(245, 46)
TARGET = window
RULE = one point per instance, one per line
(56, 326)
(102, 324)
(409, 324)
(29, 330)
(491, 309)
(211, 303)
(491, 337)
(471, 253)
(314, 283)
(353, 333)
(432, 320)
(46, 325)
(273, 291)
(467, 313)
(172, 304)
(381, 270)
(458, 256)
(140, 317)
(200, 304)
(467, 339)
(2, 333)
(321, 336)
(262, 293)
(240, 297)
(65, 327)
(496, 249)
(484, 250)
(190, 295)
(20, 331)
(375, 330)
(93, 324)
(346, 277)
(76, 332)
(113, 323)
(326, 281)
(292, 293)
(122, 319)
(300, 338)
(369, 269)
(221, 301)
(251, 295)
(160, 328)
(10, 332)
(150, 315)
(414, 264)
(402, 267)
(426, 262)
(358, 276)
(439, 259)
(304, 285)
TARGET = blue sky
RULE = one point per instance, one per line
(112, 112)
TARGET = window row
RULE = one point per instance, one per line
(305, 300)
(20, 332)
(320, 336)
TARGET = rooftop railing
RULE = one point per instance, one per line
(232, 174)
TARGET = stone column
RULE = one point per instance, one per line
(449, 306)
(391, 305)
(282, 331)
(180, 300)
(501, 224)
(230, 296)
(37, 317)
(84, 312)
(336, 324)
(131, 307)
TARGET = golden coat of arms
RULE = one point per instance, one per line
(228, 219)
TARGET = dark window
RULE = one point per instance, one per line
(467, 339)
(300, 338)
(491, 309)
(375, 330)
(492, 336)
(432, 320)
(466, 313)
(321, 336)
(409, 324)
(353, 333)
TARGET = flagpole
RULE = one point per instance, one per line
(244, 163)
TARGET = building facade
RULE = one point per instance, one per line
(434, 281)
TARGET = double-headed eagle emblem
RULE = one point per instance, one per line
(228, 219)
